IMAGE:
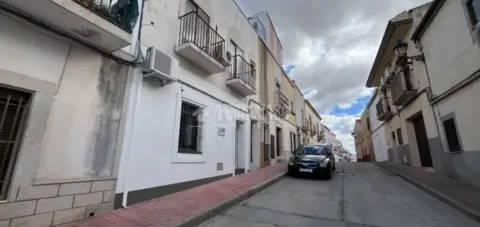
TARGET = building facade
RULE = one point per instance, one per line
(312, 125)
(379, 141)
(64, 81)
(132, 100)
(425, 113)
(403, 101)
(197, 128)
(452, 60)
(363, 139)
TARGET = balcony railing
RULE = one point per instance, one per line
(402, 89)
(243, 70)
(122, 13)
(282, 103)
(195, 30)
(384, 112)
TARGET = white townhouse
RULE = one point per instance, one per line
(449, 36)
(188, 115)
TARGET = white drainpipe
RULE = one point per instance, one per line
(130, 131)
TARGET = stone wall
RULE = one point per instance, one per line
(54, 204)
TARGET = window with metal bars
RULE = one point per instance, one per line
(190, 129)
(13, 109)
(452, 136)
(400, 137)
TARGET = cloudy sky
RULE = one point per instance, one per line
(329, 48)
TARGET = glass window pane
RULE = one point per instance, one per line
(189, 129)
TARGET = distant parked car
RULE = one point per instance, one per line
(315, 159)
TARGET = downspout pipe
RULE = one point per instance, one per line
(129, 145)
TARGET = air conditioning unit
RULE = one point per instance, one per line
(227, 59)
(158, 65)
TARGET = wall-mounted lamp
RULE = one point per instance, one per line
(401, 49)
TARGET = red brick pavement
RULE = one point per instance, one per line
(176, 208)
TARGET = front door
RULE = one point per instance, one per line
(266, 148)
(272, 146)
(237, 135)
(279, 141)
(422, 142)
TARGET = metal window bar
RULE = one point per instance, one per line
(194, 29)
(13, 109)
(242, 69)
(189, 129)
(122, 13)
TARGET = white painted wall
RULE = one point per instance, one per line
(452, 57)
(152, 158)
(43, 55)
(449, 47)
(380, 145)
(68, 142)
(378, 132)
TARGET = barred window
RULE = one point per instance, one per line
(452, 135)
(400, 137)
(13, 110)
(190, 129)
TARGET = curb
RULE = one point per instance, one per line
(214, 211)
(439, 195)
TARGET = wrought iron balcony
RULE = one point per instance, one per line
(281, 104)
(402, 90)
(384, 113)
(103, 24)
(201, 44)
(241, 76)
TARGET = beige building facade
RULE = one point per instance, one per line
(363, 138)
(426, 74)
(403, 101)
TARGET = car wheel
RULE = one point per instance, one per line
(328, 175)
(291, 173)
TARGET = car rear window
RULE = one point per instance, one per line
(314, 150)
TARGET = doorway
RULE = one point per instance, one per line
(422, 142)
(279, 142)
(239, 148)
(266, 148)
(272, 143)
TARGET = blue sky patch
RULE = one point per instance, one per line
(356, 109)
(289, 68)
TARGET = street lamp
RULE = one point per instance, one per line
(400, 51)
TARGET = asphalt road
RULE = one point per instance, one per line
(360, 194)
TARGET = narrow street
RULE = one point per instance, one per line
(360, 194)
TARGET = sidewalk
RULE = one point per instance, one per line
(462, 197)
(192, 206)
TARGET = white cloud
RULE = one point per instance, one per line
(342, 126)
